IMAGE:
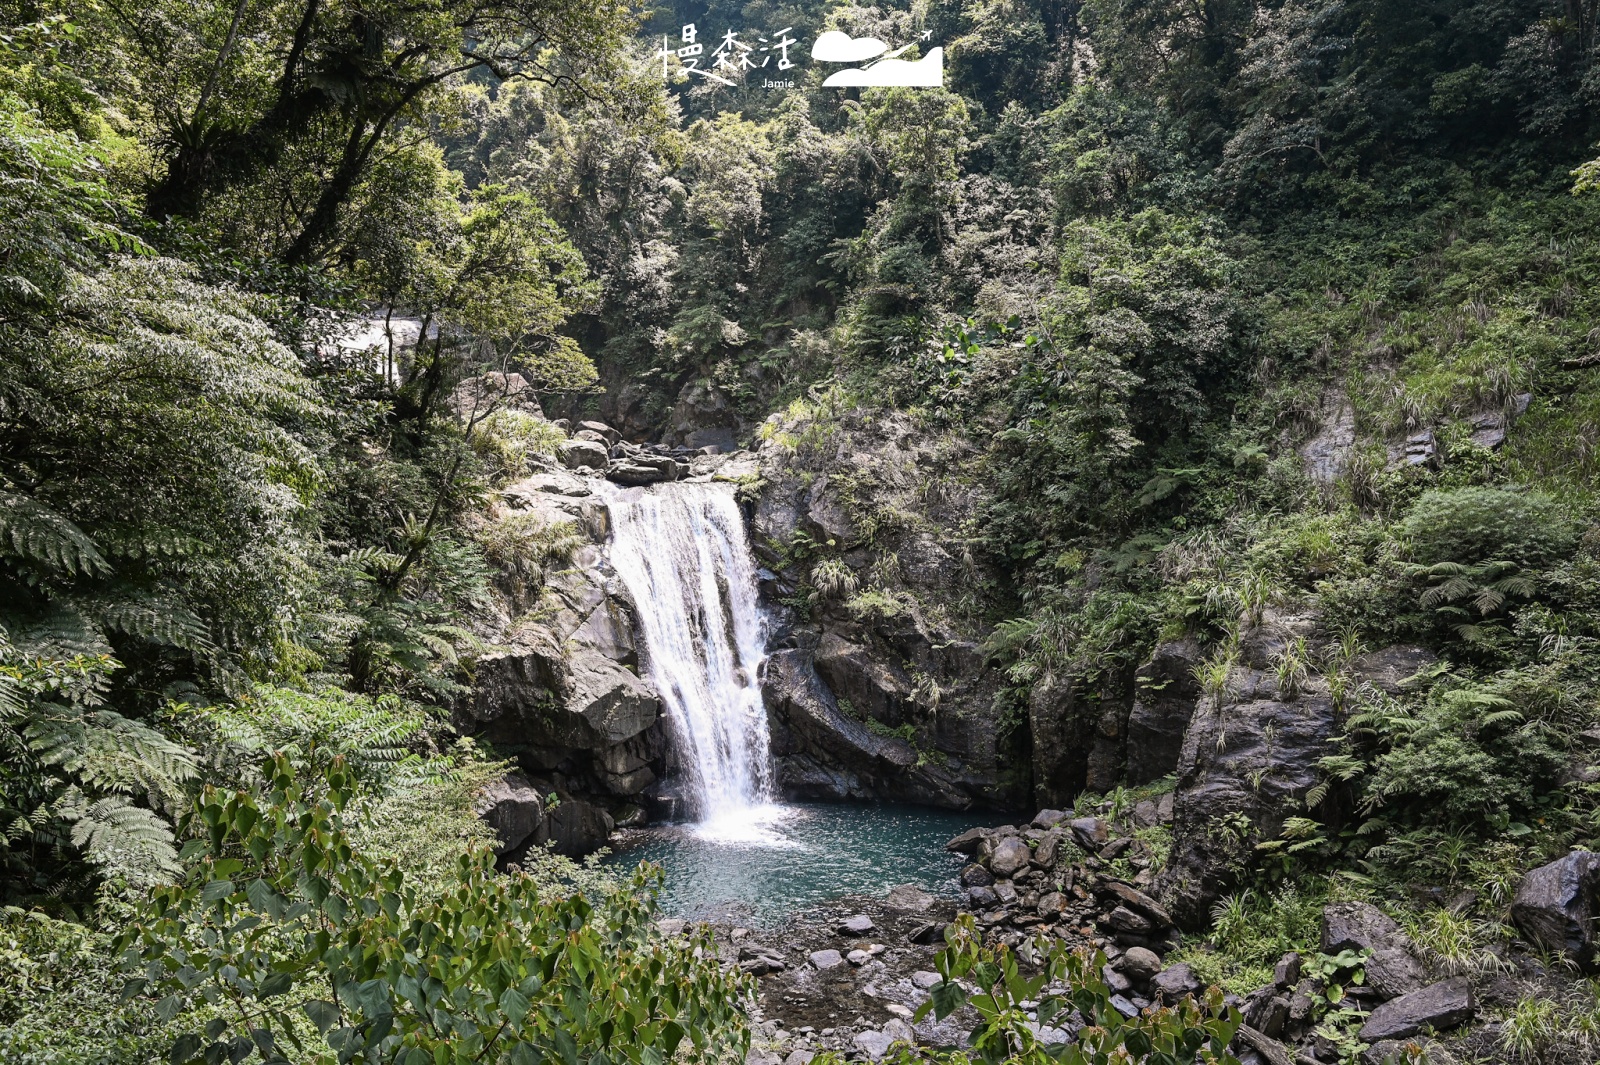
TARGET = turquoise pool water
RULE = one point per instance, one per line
(794, 857)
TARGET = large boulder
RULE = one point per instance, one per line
(1557, 907)
(1441, 1007)
(1166, 695)
(1248, 761)
(642, 470)
(514, 810)
(1010, 857)
(540, 694)
(873, 686)
(583, 454)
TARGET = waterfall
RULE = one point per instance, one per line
(681, 551)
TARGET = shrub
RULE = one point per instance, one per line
(1476, 525)
(297, 938)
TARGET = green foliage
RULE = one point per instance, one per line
(997, 983)
(283, 922)
(1474, 526)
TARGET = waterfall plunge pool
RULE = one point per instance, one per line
(795, 857)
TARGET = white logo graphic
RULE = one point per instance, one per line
(836, 47)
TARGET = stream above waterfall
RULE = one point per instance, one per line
(803, 856)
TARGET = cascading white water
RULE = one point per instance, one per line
(681, 551)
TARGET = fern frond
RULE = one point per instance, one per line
(124, 840)
(39, 535)
(158, 620)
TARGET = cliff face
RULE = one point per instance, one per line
(878, 685)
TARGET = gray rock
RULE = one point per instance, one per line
(1359, 926)
(968, 842)
(1557, 906)
(1128, 922)
(1123, 1006)
(602, 430)
(1443, 1006)
(858, 957)
(927, 934)
(1393, 971)
(514, 810)
(1048, 852)
(1052, 905)
(857, 925)
(1011, 855)
(544, 695)
(1117, 981)
(1167, 691)
(909, 898)
(1287, 972)
(878, 688)
(1248, 757)
(635, 474)
(1140, 965)
(582, 454)
(975, 875)
(1131, 897)
(799, 1057)
(1388, 669)
(1048, 819)
(1327, 455)
(875, 1045)
(1176, 981)
(923, 979)
(824, 960)
(1090, 833)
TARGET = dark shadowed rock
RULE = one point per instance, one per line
(927, 934)
(577, 828)
(1165, 701)
(1557, 906)
(1443, 1006)
(1131, 897)
(811, 735)
(513, 809)
(634, 473)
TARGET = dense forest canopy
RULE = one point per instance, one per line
(1140, 255)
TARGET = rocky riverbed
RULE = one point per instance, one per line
(848, 978)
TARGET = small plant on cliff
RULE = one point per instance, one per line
(833, 579)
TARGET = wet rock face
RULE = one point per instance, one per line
(1557, 906)
(825, 754)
